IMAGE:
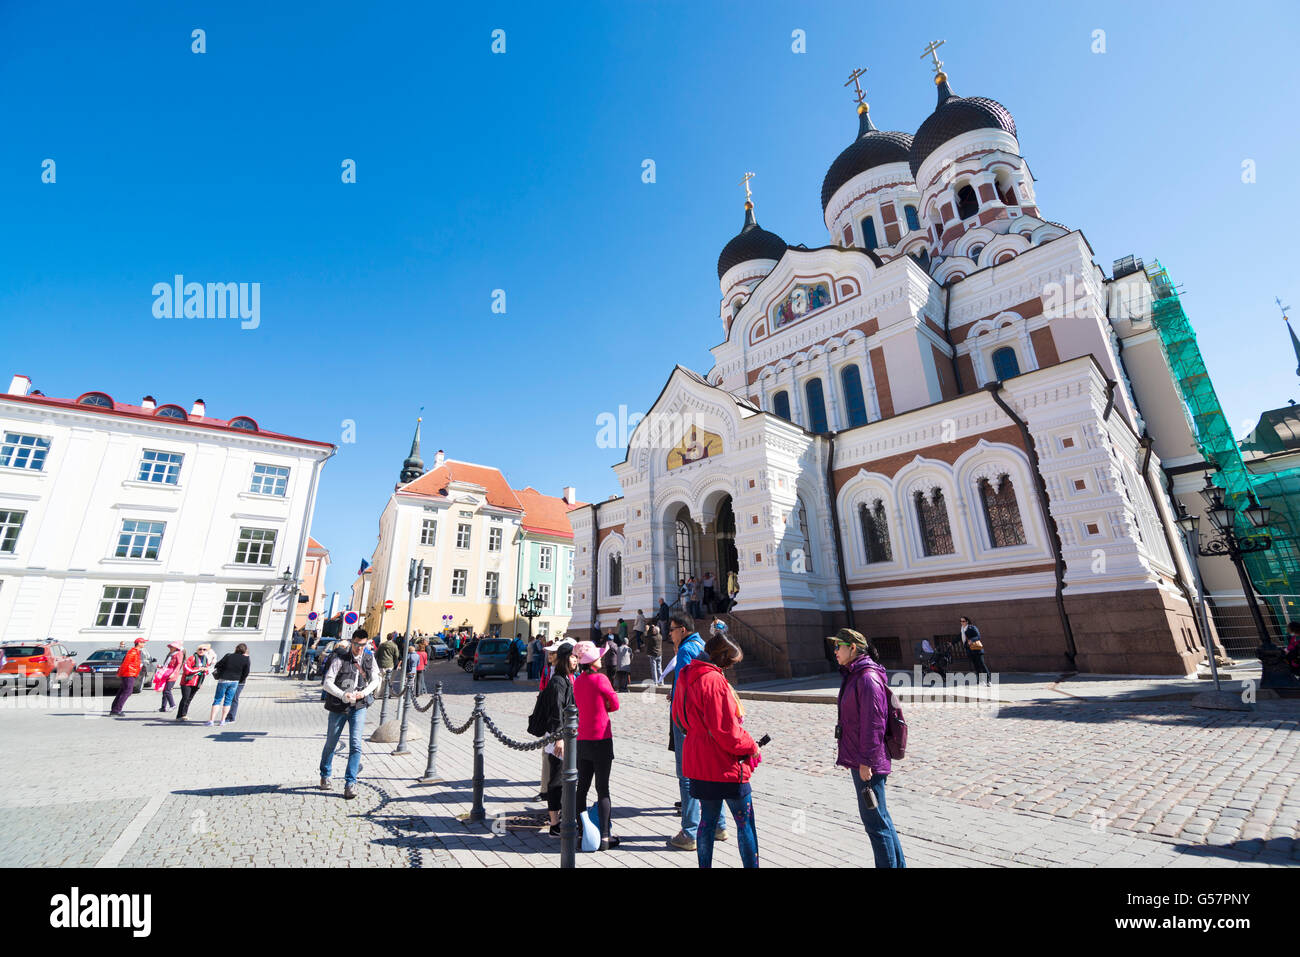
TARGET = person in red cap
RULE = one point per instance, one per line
(127, 671)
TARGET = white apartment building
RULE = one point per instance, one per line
(124, 520)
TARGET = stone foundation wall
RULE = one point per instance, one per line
(1132, 632)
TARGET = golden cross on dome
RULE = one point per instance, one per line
(859, 94)
(744, 181)
(933, 51)
(1285, 309)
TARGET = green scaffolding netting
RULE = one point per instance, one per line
(1276, 571)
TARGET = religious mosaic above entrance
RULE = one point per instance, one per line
(804, 299)
(695, 446)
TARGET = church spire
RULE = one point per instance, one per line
(1295, 343)
(865, 125)
(940, 78)
(413, 467)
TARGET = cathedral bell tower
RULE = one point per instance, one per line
(413, 467)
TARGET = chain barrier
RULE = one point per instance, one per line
(519, 745)
(447, 721)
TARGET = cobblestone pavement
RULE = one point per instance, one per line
(1027, 784)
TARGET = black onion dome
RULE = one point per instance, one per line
(752, 242)
(954, 116)
(872, 148)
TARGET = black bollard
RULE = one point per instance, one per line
(569, 801)
(477, 813)
(406, 717)
(383, 690)
(431, 769)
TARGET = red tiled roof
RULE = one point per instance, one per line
(139, 412)
(312, 543)
(545, 513)
(499, 492)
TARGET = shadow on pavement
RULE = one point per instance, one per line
(1253, 850)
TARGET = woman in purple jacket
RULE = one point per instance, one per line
(863, 713)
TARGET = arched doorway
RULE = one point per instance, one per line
(684, 549)
(728, 559)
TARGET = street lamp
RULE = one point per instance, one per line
(530, 606)
(1191, 526)
(1274, 671)
(288, 590)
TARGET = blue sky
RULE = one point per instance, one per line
(522, 171)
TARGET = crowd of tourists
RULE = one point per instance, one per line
(188, 671)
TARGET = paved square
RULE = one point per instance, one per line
(1075, 782)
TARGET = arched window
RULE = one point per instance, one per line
(781, 404)
(851, 379)
(1006, 192)
(848, 237)
(802, 514)
(869, 233)
(967, 203)
(1005, 363)
(98, 399)
(1001, 513)
(975, 253)
(816, 406)
(243, 422)
(616, 573)
(932, 517)
(171, 412)
(685, 550)
(912, 221)
(922, 259)
(875, 532)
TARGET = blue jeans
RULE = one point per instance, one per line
(226, 691)
(356, 722)
(879, 825)
(742, 810)
(234, 705)
(690, 806)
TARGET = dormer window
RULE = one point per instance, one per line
(171, 412)
(97, 399)
(243, 422)
(967, 203)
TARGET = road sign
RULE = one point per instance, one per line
(350, 618)
(312, 616)
(388, 605)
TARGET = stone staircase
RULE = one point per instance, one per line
(749, 671)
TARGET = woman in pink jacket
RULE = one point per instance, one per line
(595, 698)
(165, 678)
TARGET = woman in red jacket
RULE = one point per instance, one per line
(127, 672)
(719, 755)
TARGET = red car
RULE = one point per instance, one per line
(46, 664)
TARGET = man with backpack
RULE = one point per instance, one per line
(351, 679)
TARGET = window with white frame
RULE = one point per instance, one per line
(161, 468)
(462, 535)
(11, 523)
(491, 585)
(121, 607)
(459, 578)
(568, 599)
(494, 539)
(544, 557)
(243, 609)
(269, 480)
(256, 546)
(544, 629)
(425, 584)
(19, 451)
(544, 593)
(428, 532)
(139, 539)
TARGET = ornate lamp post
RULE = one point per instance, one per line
(288, 590)
(530, 606)
(1223, 516)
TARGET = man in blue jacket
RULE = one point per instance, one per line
(682, 633)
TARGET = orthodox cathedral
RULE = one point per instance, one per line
(949, 409)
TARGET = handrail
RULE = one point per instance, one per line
(769, 651)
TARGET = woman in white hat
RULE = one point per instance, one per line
(164, 679)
